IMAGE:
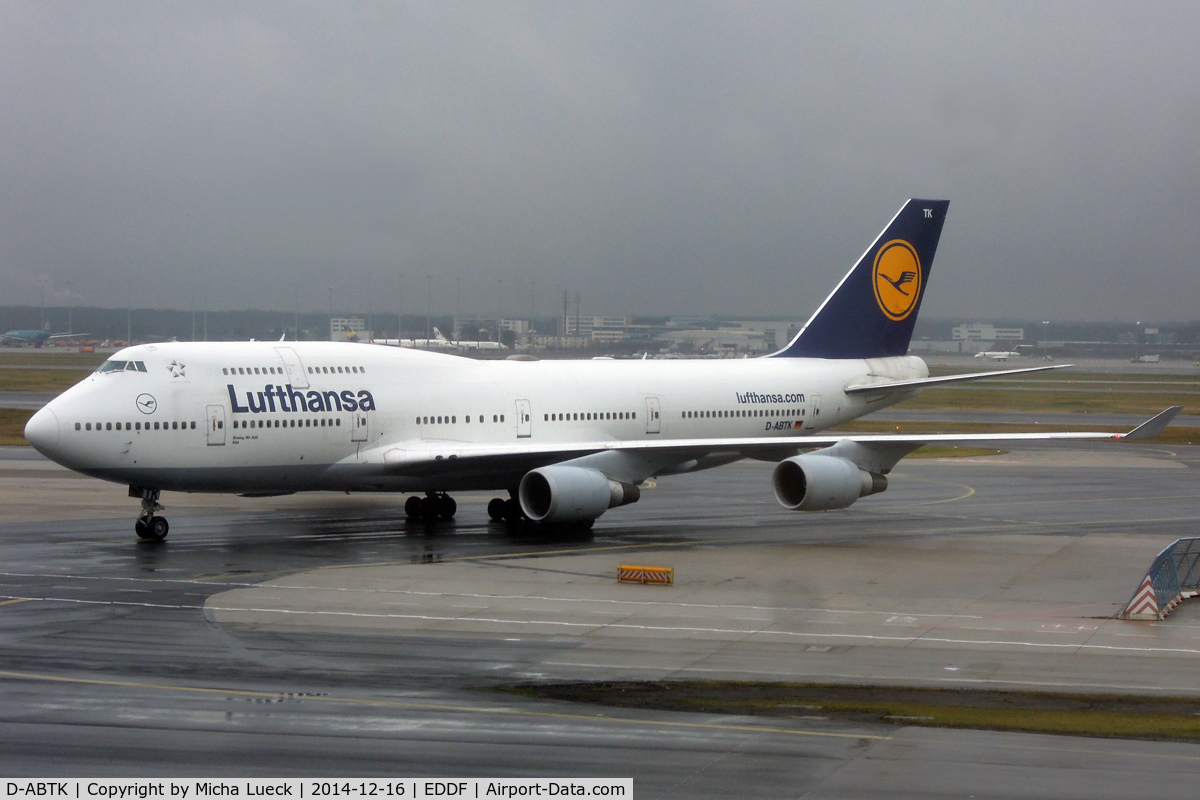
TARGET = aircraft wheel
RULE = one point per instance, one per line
(513, 514)
(496, 509)
(412, 507)
(153, 531)
(429, 508)
(446, 507)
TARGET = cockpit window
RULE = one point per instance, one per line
(122, 366)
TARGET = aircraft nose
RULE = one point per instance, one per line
(42, 431)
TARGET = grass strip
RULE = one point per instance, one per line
(1109, 716)
(45, 358)
(954, 451)
(980, 398)
(34, 379)
(1172, 435)
(1072, 376)
(12, 425)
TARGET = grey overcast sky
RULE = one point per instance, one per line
(658, 158)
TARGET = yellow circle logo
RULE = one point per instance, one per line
(897, 279)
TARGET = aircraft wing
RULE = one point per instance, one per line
(431, 457)
(919, 383)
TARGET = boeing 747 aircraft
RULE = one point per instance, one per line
(565, 440)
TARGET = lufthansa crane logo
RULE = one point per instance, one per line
(897, 279)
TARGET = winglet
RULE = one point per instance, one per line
(1155, 425)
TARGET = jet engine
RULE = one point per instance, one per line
(571, 494)
(820, 483)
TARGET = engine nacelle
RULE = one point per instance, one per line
(571, 494)
(820, 483)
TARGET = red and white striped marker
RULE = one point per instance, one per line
(1144, 604)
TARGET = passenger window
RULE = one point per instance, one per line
(481, 418)
(78, 426)
(89, 426)
(495, 418)
(502, 418)
(453, 419)
(355, 369)
(310, 370)
(127, 426)
(339, 422)
(224, 370)
(361, 370)
(108, 426)
(634, 415)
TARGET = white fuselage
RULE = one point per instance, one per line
(261, 417)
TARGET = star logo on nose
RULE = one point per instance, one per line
(176, 369)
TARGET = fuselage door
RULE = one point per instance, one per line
(814, 410)
(216, 424)
(358, 433)
(524, 420)
(295, 368)
(653, 423)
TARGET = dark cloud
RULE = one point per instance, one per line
(670, 158)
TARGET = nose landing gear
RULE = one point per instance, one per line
(148, 526)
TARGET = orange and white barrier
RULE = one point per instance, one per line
(628, 573)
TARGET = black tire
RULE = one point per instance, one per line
(141, 529)
(412, 507)
(513, 514)
(157, 530)
(446, 507)
(429, 508)
(496, 509)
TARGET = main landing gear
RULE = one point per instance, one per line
(509, 512)
(434, 505)
(501, 510)
(148, 526)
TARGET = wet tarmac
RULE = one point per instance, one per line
(120, 657)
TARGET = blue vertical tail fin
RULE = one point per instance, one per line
(872, 312)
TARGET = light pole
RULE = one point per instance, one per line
(1045, 344)
(1137, 341)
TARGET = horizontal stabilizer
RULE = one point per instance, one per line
(923, 382)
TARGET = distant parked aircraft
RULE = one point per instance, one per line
(999, 355)
(35, 337)
(440, 342)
